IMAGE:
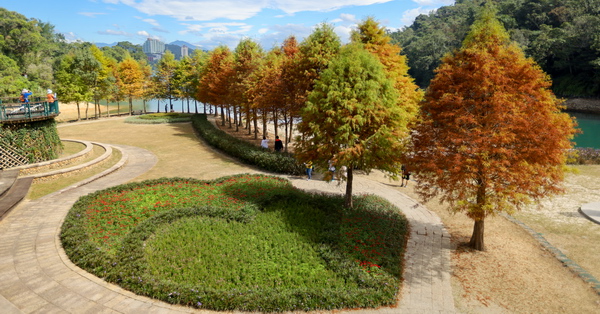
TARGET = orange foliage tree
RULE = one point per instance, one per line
(492, 136)
(216, 79)
(266, 90)
(131, 80)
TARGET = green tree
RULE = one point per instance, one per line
(104, 81)
(491, 136)
(75, 77)
(164, 78)
(198, 61)
(377, 41)
(352, 119)
(11, 80)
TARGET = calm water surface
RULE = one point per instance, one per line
(588, 123)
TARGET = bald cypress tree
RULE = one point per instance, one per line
(351, 117)
(491, 136)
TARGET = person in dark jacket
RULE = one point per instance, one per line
(278, 144)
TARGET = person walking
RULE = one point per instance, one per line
(50, 97)
(405, 176)
(278, 144)
(264, 143)
(25, 93)
(309, 169)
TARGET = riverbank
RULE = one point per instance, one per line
(586, 105)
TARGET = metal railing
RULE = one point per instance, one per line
(31, 110)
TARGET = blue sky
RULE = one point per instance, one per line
(209, 23)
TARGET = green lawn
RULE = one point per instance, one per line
(245, 242)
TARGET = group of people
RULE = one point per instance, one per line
(25, 93)
(278, 143)
(331, 166)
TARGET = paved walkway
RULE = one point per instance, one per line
(591, 211)
(37, 277)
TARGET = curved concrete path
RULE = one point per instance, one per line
(37, 277)
(591, 211)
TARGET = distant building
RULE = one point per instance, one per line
(184, 51)
(153, 46)
(175, 49)
(155, 49)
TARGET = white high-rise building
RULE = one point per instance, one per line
(152, 46)
(184, 51)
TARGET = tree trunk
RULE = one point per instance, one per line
(78, 112)
(291, 130)
(477, 236)
(87, 107)
(130, 106)
(222, 116)
(348, 198)
(235, 119)
(158, 107)
(99, 109)
(285, 121)
(107, 109)
(255, 120)
(264, 123)
(275, 122)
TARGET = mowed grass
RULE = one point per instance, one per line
(245, 242)
(42, 188)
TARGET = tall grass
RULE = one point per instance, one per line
(246, 242)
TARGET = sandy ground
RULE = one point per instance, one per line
(515, 274)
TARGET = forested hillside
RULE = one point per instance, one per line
(31, 50)
(562, 36)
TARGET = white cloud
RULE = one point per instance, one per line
(152, 22)
(206, 10)
(348, 18)
(343, 32)
(90, 14)
(409, 16)
(263, 30)
(435, 3)
(115, 33)
(143, 33)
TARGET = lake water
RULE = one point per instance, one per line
(588, 123)
(590, 126)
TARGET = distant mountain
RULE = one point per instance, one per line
(100, 45)
(182, 43)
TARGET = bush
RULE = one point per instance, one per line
(158, 118)
(245, 242)
(37, 141)
(584, 156)
(246, 152)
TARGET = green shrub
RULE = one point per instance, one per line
(158, 118)
(245, 242)
(37, 141)
(246, 152)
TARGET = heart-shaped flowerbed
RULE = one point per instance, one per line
(246, 242)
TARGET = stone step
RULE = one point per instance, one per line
(14, 195)
(7, 179)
